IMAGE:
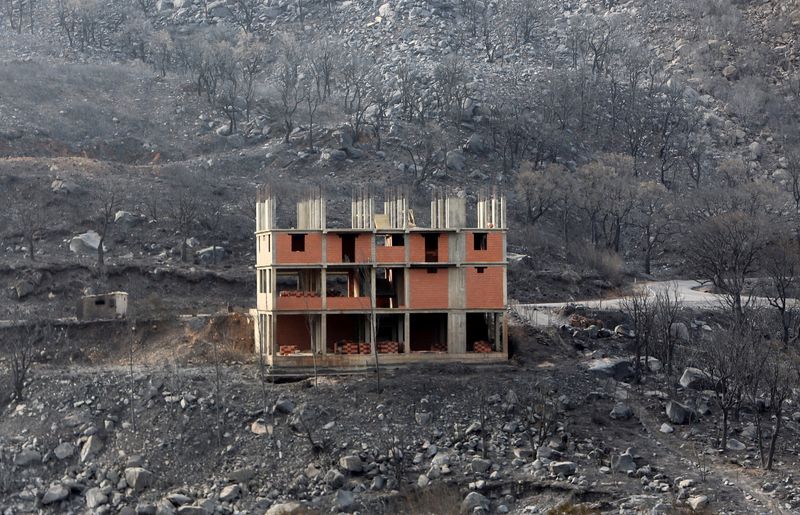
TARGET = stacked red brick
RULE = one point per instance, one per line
(439, 347)
(388, 347)
(286, 350)
(295, 293)
(482, 346)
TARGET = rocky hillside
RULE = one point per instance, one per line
(556, 431)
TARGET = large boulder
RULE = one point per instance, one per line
(679, 413)
(456, 161)
(344, 500)
(64, 187)
(351, 463)
(730, 72)
(86, 243)
(95, 497)
(474, 501)
(64, 451)
(55, 493)
(286, 508)
(346, 136)
(126, 218)
(230, 492)
(679, 331)
(476, 145)
(563, 468)
(210, 255)
(91, 447)
(696, 379)
(27, 457)
(624, 463)
(21, 289)
(621, 411)
(138, 478)
(619, 369)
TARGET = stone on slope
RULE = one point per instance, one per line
(138, 478)
(563, 468)
(91, 447)
(680, 414)
(55, 493)
(473, 501)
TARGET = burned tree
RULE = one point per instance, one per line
(107, 204)
(184, 216)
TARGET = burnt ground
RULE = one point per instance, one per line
(433, 421)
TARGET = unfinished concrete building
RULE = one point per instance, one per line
(333, 298)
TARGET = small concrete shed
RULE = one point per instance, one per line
(103, 306)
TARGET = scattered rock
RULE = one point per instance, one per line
(286, 508)
(64, 451)
(680, 414)
(344, 500)
(480, 465)
(210, 255)
(473, 501)
(695, 379)
(230, 492)
(666, 428)
(284, 406)
(351, 463)
(624, 463)
(621, 411)
(680, 331)
(620, 369)
(55, 493)
(563, 468)
(91, 447)
(735, 445)
(730, 72)
(697, 502)
(27, 457)
(95, 497)
(85, 243)
(138, 478)
(456, 160)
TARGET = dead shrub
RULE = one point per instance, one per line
(607, 264)
(438, 499)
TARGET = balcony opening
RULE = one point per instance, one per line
(297, 334)
(298, 242)
(481, 332)
(348, 248)
(347, 334)
(428, 332)
(480, 241)
(389, 287)
(296, 283)
(390, 334)
(431, 248)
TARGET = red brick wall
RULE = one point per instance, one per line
(494, 248)
(297, 303)
(417, 242)
(390, 254)
(341, 327)
(348, 303)
(311, 255)
(292, 330)
(484, 290)
(333, 244)
(428, 291)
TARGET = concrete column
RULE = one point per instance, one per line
(456, 333)
(406, 333)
